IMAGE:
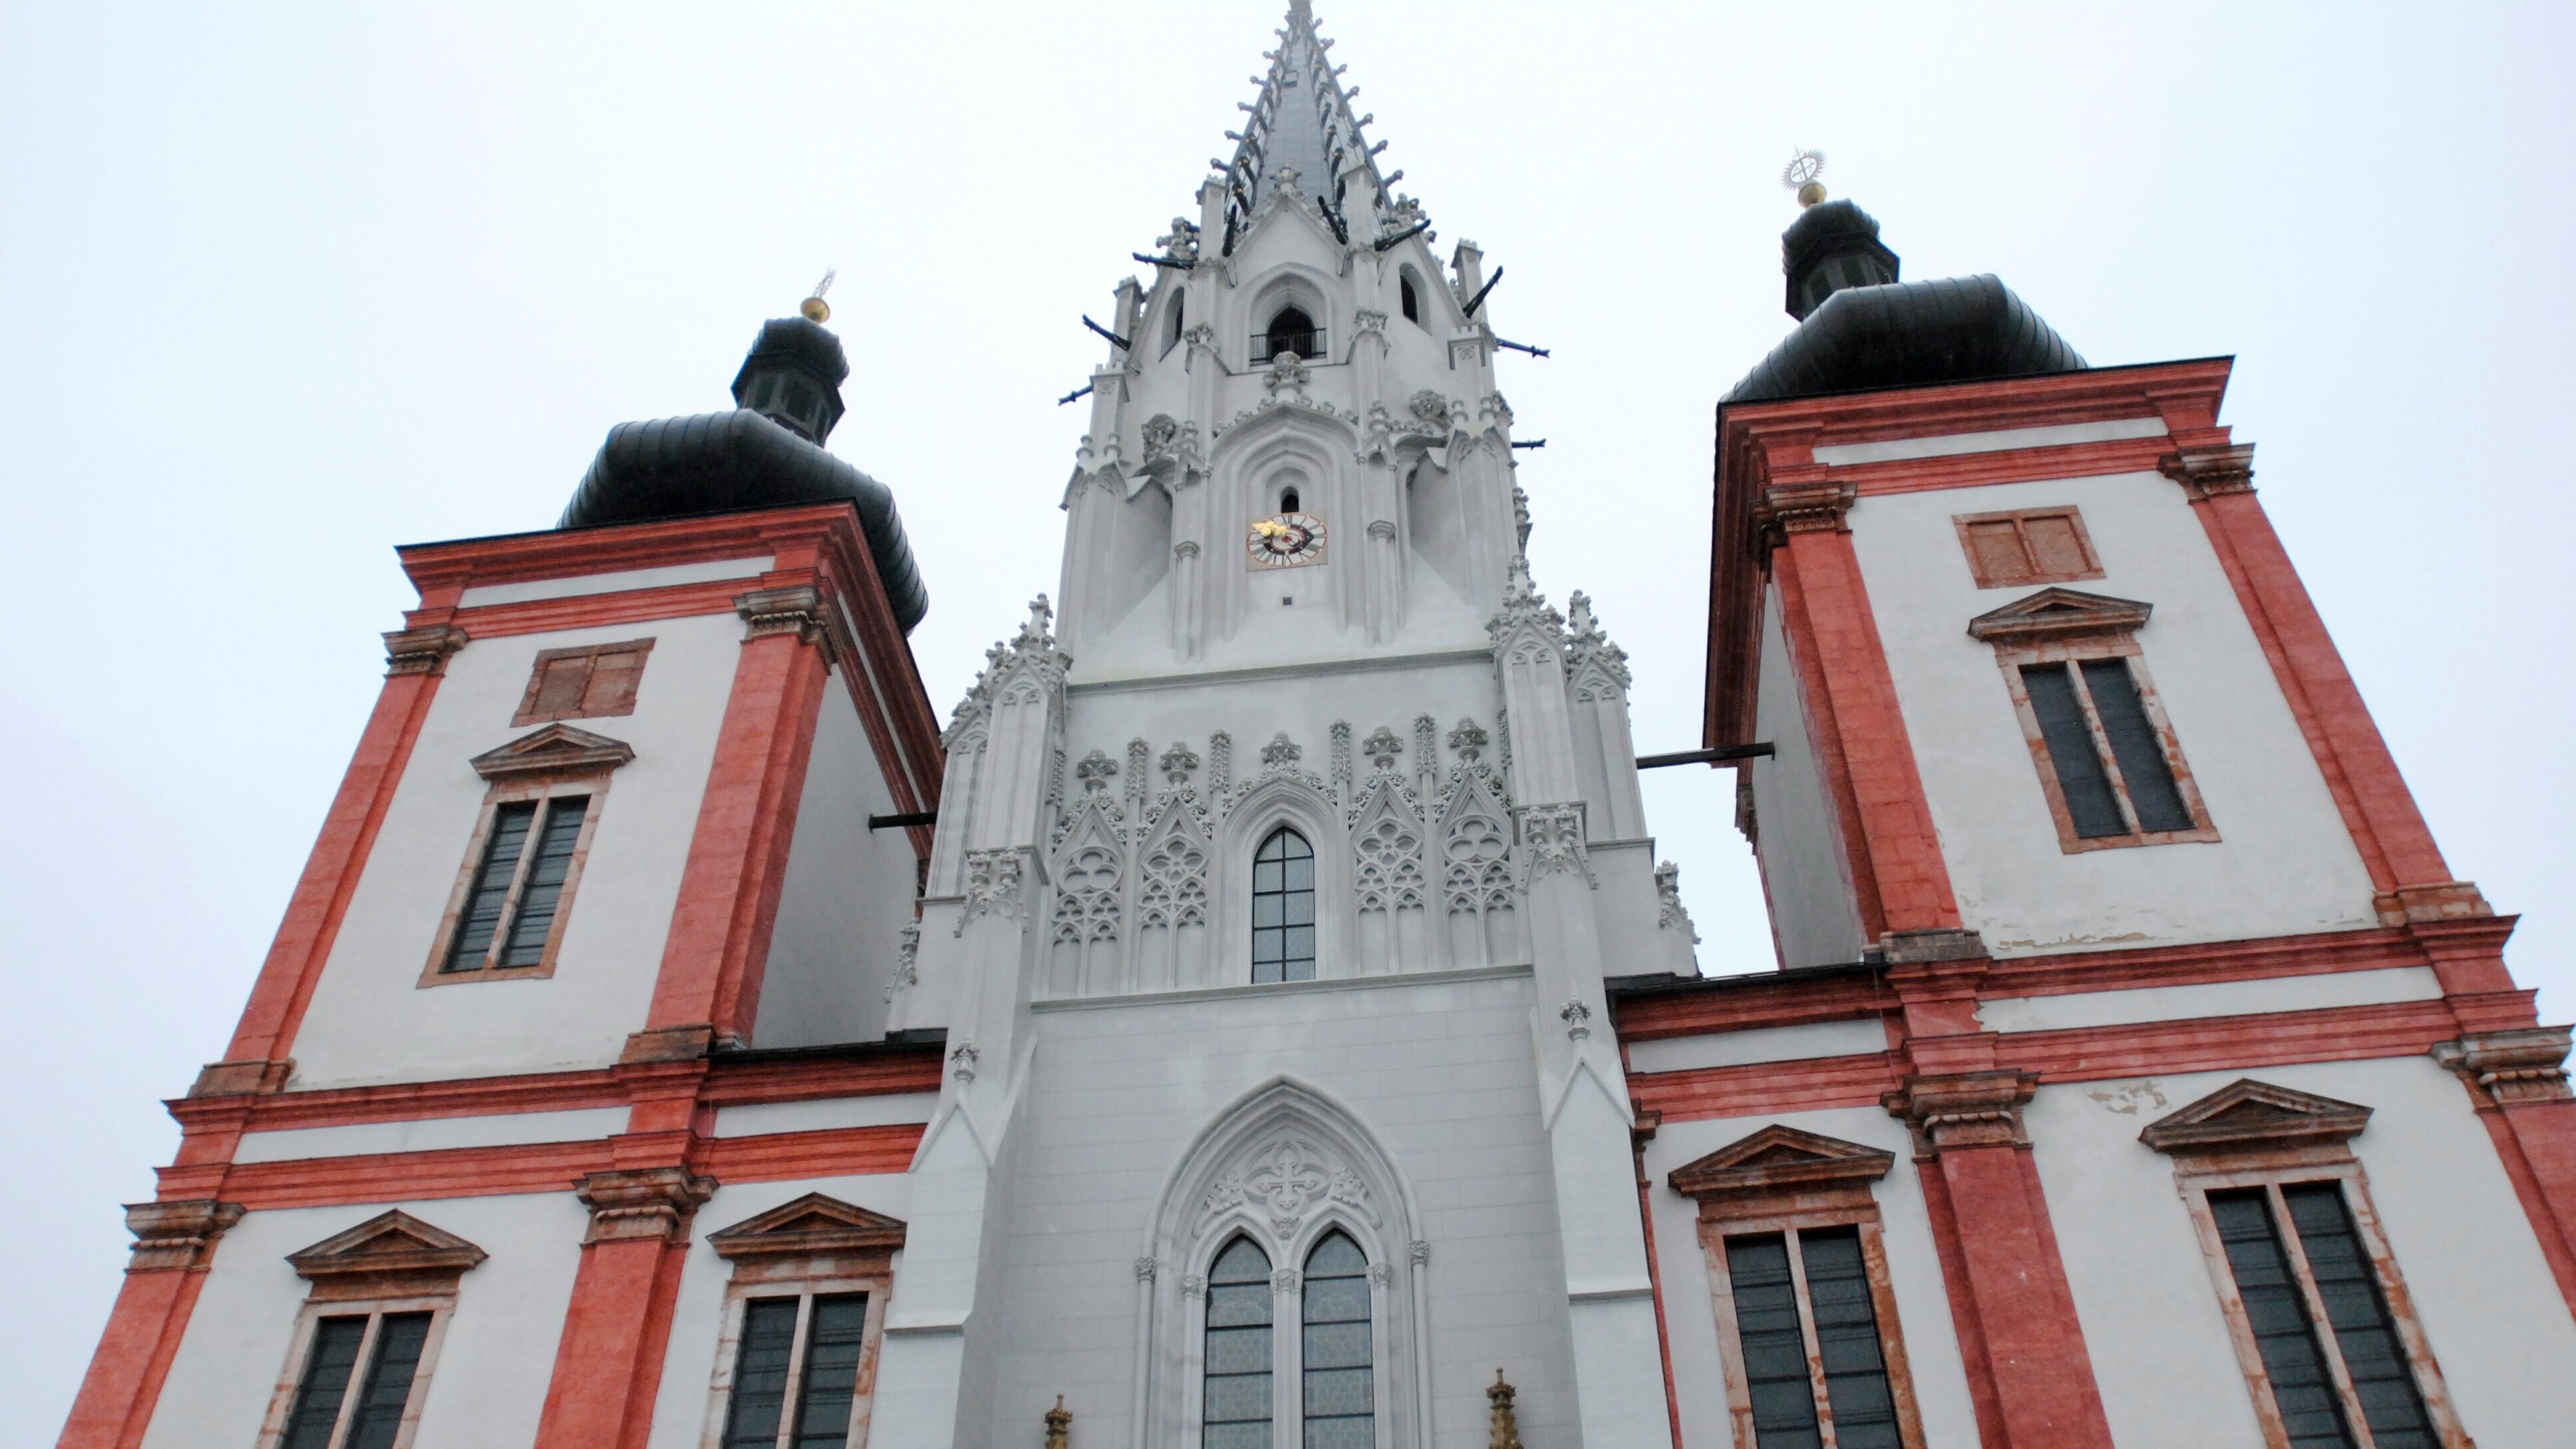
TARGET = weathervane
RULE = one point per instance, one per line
(814, 307)
(1800, 176)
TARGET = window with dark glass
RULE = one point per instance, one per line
(2112, 770)
(1238, 1366)
(1283, 908)
(796, 1372)
(1340, 1379)
(1820, 1300)
(510, 908)
(1412, 302)
(1180, 305)
(2282, 1280)
(376, 1355)
(1290, 330)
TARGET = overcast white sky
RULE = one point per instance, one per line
(283, 286)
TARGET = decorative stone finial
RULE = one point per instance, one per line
(1507, 1428)
(1059, 1425)
(1382, 748)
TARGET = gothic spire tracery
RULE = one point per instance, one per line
(1300, 131)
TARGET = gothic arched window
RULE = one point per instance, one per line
(1180, 306)
(1341, 1381)
(1283, 908)
(1238, 1349)
(1291, 330)
(1412, 300)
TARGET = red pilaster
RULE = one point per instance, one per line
(1897, 869)
(173, 1244)
(255, 1059)
(608, 1364)
(718, 947)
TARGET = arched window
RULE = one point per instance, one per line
(1291, 330)
(1180, 307)
(1341, 1382)
(1288, 500)
(1283, 908)
(1238, 1349)
(1412, 300)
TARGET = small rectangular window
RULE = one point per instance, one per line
(1804, 1322)
(802, 1353)
(2115, 775)
(325, 1414)
(2030, 546)
(514, 899)
(591, 681)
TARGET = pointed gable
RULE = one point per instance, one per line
(390, 1255)
(812, 1226)
(2055, 613)
(2252, 1114)
(556, 749)
(1779, 1161)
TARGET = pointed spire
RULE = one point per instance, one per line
(1300, 132)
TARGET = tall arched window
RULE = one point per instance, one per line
(1341, 1384)
(1412, 300)
(1238, 1349)
(1283, 908)
(1291, 330)
(1180, 306)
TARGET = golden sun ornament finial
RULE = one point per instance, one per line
(814, 308)
(1800, 176)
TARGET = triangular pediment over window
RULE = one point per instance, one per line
(556, 749)
(387, 1246)
(2249, 1113)
(1777, 1158)
(2055, 613)
(813, 1226)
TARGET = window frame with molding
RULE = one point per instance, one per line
(554, 764)
(1782, 1182)
(809, 1249)
(2067, 630)
(2253, 1135)
(392, 1265)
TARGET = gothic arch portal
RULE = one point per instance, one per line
(1285, 1166)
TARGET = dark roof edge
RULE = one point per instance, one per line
(1679, 985)
(1725, 403)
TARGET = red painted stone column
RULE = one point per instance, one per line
(1896, 856)
(256, 1059)
(718, 947)
(608, 1364)
(174, 1243)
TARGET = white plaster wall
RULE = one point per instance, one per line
(431, 1134)
(682, 1404)
(489, 1383)
(848, 893)
(1760, 1044)
(824, 1113)
(2159, 1345)
(372, 1021)
(1913, 1268)
(2216, 998)
(2284, 864)
(1440, 1070)
(616, 581)
(1813, 921)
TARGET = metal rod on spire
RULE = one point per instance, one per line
(1125, 345)
(1518, 346)
(1473, 302)
(1388, 243)
(1080, 392)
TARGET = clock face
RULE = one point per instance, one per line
(1286, 540)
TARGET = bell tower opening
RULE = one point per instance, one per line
(1291, 330)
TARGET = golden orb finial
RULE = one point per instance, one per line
(814, 308)
(1800, 176)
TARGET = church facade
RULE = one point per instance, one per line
(1259, 1016)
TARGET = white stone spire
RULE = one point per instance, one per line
(1301, 130)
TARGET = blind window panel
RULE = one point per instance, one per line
(328, 1366)
(1340, 1380)
(1999, 555)
(489, 895)
(560, 685)
(2374, 1358)
(2056, 548)
(1773, 1344)
(400, 1337)
(542, 892)
(1237, 1369)
(833, 1341)
(2277, 1314)
(2141, 756)
(613, 680)
(759, 1402)
(1838, 1302)
(2081, 781)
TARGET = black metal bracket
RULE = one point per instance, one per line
(1518, 346)
(1532, 443)
(1080, 392)
(1478, 300)
(1174, 263)
(1389, 243)
(1706, 757)
(1123, 342)
(910, 817)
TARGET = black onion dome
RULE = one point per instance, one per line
(1910, 334)
(729, 461)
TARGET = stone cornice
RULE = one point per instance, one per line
(178, 1235)
(422, 651)
(641, 1203)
